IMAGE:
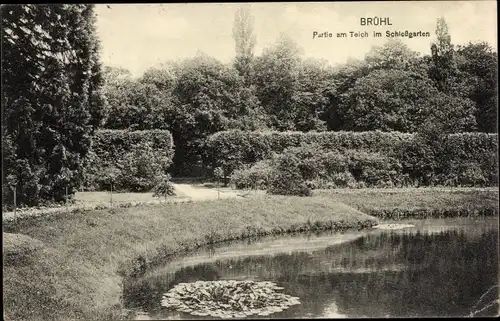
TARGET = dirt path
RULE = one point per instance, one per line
(202, 193)
(96, 200)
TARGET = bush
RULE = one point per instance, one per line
(397, 159)
(322, 168)
(435, 159)
(141, 169)
(164, 187)
(233, 149)
(311, 166)
(341, 180)
(131, 160)
(478, 150)
(256, 176)
(286, 179)
(374, 169)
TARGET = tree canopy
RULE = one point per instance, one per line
(52, 97)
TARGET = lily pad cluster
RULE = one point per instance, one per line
(228, 299)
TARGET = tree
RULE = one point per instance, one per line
(276, 80)
(344, 77)
(137, 104)
(209, 97)
(394, 54)
(163, 77)
(315, 86)
(479, 65)
(444, 70)
(118, 83)
(244, 40)
(397, 100)
(52, 99)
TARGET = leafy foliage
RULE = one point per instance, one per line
(244, 41)
(479, 66)
(52, 97)
(393, 89)
(254, 177)
(164, 187)
(395, 100)
(233, 149)
(429, 157)
(131, 160)
(286, 179)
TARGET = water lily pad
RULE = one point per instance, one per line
(228, 298)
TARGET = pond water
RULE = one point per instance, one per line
(436, 268)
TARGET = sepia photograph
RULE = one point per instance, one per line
(250, 160)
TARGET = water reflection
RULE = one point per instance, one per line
(415, 272)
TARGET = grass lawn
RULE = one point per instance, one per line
(411, 198)
(432, 201)
(85, 255)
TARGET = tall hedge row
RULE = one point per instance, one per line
(232, 149)
(459, 159)
(132, 160)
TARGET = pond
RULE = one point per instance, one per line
(439, 267)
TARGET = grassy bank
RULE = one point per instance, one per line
(418, 202)
(78, 272)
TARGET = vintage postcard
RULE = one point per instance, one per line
(250, 160)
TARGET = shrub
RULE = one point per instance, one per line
(341, 180)
(141, 169)
(322, 168)
(132, 160)
(397, 159)
(286, 179)
(471, 175)
(233, 149)
(256, 176)
(164, 187)
(314, 167)
(374, 169)
(435, 159)
(479, 150)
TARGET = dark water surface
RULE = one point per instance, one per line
(437, 268)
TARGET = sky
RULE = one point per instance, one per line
(138, 36)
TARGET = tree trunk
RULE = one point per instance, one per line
(67, 211)
(15, 200)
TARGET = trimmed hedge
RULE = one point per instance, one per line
(310, 166)
(476, 148)
(464, 159)
(134, 159)
(461, 159)
(232, 149)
